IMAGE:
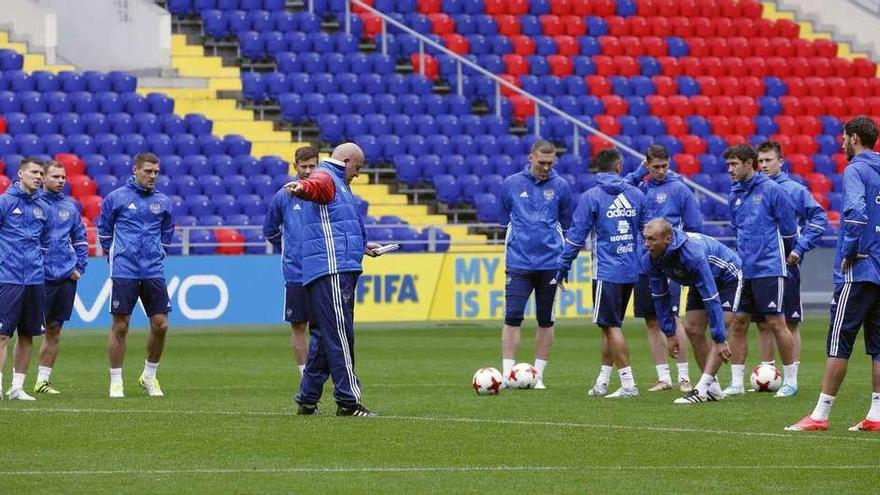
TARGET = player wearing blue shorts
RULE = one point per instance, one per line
(283, 228)
(712, 271)
(856, 300)
(766, 230)
(666, 196)
(24, 237)
(65, 263)
(611, 215)
(136, 229)
(812, 221)
(536, 209)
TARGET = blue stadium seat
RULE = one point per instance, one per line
(253, 87)
(186, 186)
(198, 204)
(186, 145)
(160, 104)
(160, 144)
(431, 165)
(262, 185)
(53, 144)
(435, 239)
(408, 170)
(252, 204)
(480, 165)
(172, 124)
(96, 165)
(447, 189)
(81, 145)
(505, 166)
(211, 145)
(134, 103)
(225, 204)
(197, 124)
(164, 184)
(57, 102)
(200, 242)
(274, 165)
(214, 24)
(198, 165)
(488, 207)
(236, 145)
(108, 144)
(121, 124)
(237, 220)
(122, 82)
(469, 185)
(237, 185)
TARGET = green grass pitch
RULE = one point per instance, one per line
(228, 424)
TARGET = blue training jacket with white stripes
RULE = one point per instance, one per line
(701, 263)
(334, 238)
(860, 229)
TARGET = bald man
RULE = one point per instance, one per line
(334, 243)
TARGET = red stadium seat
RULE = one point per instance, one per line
(675, 125)
(495, 7)
(517, 7)
(833, 217)
(560, 65)
(825, 48)
(752, 86)
(561, 7)
(783, 140)
(739, 47)
(842, 67)
(602, 8)
(686, 165)
(751, 8)
(372, 24)
(720, 125)
(840, 161)
(598, 85)
(735, 139)
(757, 66)
(734, 66)
(787, 28)
(743, 125)
(666, 8)
(441, 24)
(693, 145)
(729, 86)
(778, 67)
(709, 8)
(800, 67)
(566, 46)
(5, 182)
(3, 128)
(822, 200)
(681, 27)
(73, 165)
(863, 67)
(808, 124)
(858, 86)
(708, 86)
(760, 47)
(457, 43)
(665, 85)
(805, 144)
(581, 9)
(658, 105)
(660, 26)
(604, 65)
(690, 66)
(718, 47)
(855, 105)
(617, 26)
(698, 47)
(432, 67)
(872, 105)
(615, 105)
(360, 10)
(712, 67)
(803, 48)
(598, 144)
(746, 106)
(645, 8)
(512, 80)
(786, 124)
(654, 46)
(723, 27)
(638, 26)
(517, 65)
(627, 66)
(670, 67)
(552, 25)
(782, 47)
(796, 86)
(830, 105)
(744, 27)
(819, 183)
(821, 67)
(607, 124)
(791, 105)
(730, 8)
(610, 46)
(816, 86)
(508, 25)
(837, 86)
(230, 241)
(522, 107)
(631, 45)
(574, 25)
(81, 186)
(680, 105)
(523, 45)
(430, 6)
(92, 238)
(91, 206)
(688, 8)
(724, 105)
(702, 27)
(799, 163)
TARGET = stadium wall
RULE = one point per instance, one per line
(249, 290)
(29, 23)
(134, 35)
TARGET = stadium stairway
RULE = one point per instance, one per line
(32, 61)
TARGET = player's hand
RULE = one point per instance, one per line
(793, 259)
(370, 247)
(672, 346)
(561, 279)
(76, 275)
(293, 187)
(847, 263)
(723, 351)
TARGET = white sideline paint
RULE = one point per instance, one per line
(426, 469)
(512, 422)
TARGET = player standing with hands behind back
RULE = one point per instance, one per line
(536, 209)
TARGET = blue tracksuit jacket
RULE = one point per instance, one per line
(811, 218)
(860, 229)
(283, 227)
(536, 214)
(68, 245)
(24, 236)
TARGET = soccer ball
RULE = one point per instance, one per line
(487, 381)
(766, 378)
(523, 375)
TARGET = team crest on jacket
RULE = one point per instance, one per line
(63, 215)
(38, 213)
(155, 208)
(661, 198)
(549, 194)
(756, 198)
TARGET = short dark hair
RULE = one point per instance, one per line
(51, 164)
(771, 146)
(141, 158)
(743, 153)
(30, 160)
(606, 160)
(656, 152)
(304, 153)
(863, 127)
(543, 146)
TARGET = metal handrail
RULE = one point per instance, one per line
(498, 82)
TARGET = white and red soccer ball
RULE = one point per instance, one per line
(522, 375)
(487, 381)
(766, 378)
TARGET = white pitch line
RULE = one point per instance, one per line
(512, 422)
(426, 469)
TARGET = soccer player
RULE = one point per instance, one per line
(65, 263)
(611, 214)
(856, 300)
(136, 229)
(666, 196)
(812, 221)
(333, 246)
(766, 230)
(712, 271)
(24, 238)
(283, 228)
(536, 209)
